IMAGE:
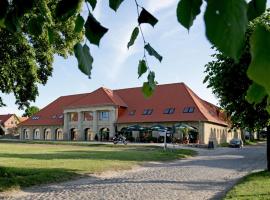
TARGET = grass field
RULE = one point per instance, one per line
(255, 186)
(25, 164)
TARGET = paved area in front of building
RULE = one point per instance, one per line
(206, 176)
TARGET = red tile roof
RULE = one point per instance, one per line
(101, 96)
(52, 114)
(4, 118)
(22, 119)
(176, 95)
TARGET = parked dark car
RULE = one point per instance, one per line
(236, 143)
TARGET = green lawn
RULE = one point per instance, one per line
(25, 164)
(253, 187)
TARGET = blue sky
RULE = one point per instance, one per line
(184, 55)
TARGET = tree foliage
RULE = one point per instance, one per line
(57, 27)
(30, 111)
(29, 40)
(229, 82)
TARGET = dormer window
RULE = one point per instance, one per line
(188, 110)
(35, 117)
(60, 116)
(54, 116)
(147, 111)
(169, 111)
(132, 112)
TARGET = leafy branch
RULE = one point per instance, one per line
(145, 17)
(45, 27)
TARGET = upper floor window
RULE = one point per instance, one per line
(74, 117)
(188, 110)
(147, 111)
(87, 116)
(132, 112)
(169, 111)
(103, 115)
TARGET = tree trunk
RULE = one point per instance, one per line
(268, 148)
(243, 135)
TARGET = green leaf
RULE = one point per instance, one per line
(12, 22)
(114, 4)
(85, 60)
(133, 37)
(187, 10)
(256, 8)
(149, 86)
(35, 26)
(259, 68)
(151, 80)
(152, 52)
(146, 17)
(147, 90)
(226, 24)
(94, 31)
(142, 68)
(79, 24)
(2, 23)
(66, 8)
(50, 35)
(255, 93)
(93, 3)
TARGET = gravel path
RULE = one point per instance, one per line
(206, 176)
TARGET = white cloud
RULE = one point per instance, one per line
(119, 46)
(157, 5)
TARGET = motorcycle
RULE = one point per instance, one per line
(119, 139)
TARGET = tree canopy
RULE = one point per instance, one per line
(30, 111)
(28, 45)
(229, 81)
(58, 27)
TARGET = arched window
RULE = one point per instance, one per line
(59, 134)
(26, 135)
(47, 134)
(36, 134)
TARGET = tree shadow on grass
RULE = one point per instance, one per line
(78, 143)
(16, 178)
(125, 155)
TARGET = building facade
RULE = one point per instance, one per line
(100, 114)
(8, 124)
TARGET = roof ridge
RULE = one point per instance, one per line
(104, 89)
(165, 84)
(84, 95)
(191, 94)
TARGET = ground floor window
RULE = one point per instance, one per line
(36, 134)
(59, 134)
(47, 134)
(26, 135)
(73, 134)
(88, 134)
